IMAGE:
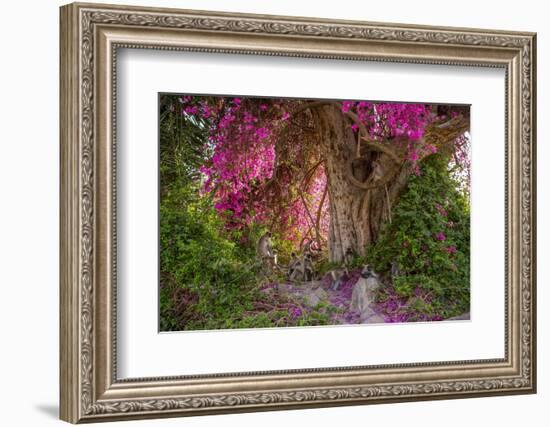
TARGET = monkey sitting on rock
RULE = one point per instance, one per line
(363, 291)
(293, 264)
(308, 267)
(300, 269)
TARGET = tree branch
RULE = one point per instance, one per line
(309, 173)
(442, 134)
(383, 148)
(375, 146)
(312, 104)
(366, 186)
(320, 210)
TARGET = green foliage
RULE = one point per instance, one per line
(429, 240)
(209, 276)
(210, 282)
(196, 256)
(182, 145)
(204, 274)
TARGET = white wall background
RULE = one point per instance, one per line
(29, 171)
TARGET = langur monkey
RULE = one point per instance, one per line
(362, 295)
(301, 268)
(337, 276)
(308, 267)
(265, 250)
(292, 265)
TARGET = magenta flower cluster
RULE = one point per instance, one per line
(244, 133)
(387, 121)
(243, 137)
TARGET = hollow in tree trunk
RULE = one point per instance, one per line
(365, 177)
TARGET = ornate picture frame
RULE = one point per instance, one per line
(90, 37)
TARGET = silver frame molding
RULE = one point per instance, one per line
(90, 37)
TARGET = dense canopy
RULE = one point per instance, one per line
(331, 172)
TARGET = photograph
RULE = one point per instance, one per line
(288, 212)
(264, 210)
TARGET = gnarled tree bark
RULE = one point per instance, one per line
(359, 198)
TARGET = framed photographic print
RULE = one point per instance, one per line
(266, 212)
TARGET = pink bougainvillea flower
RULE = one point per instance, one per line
(205, 111)
(431, 148)
(347, 106)
(295, 312)
(262, 133)
(415, 134)
(242, 140)
(413, 156)
(442, 211)
(191, 110)
(440, 236)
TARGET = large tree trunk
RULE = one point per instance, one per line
(356, 213)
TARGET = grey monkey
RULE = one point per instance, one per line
(308, 268)
(337, 276)
(265, 247)
(363, 291)
(265, 251)
(292, 265)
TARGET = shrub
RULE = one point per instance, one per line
(429, 240)
(196, 257)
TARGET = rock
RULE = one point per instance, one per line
(284, 289)
(321, 292)
(464, 316)
(363, 293)
(312, 297)
(314, 284)
(370, 316)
